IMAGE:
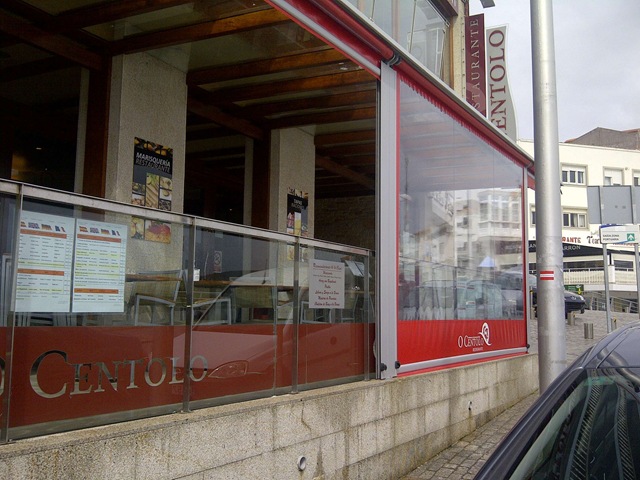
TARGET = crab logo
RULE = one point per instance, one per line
(485, 333)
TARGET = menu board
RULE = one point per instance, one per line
(326, 284)
(52, 248)
(99, 268)
(45, 258)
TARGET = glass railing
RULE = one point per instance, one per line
(113, 312)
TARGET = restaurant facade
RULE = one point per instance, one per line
(216, 214)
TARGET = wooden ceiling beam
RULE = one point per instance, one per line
(112, 11)
(369, 169)
(212, 131)
(50, 23)
(217, 154)
(326, 56)
(55, 44)
(31, 69)
(360, 98)
(367, 113)
(345, 172)
(26, 10)
(347, 150)
(200, 31)
(343, 191)
(339, 138)
(354, 160)
(221, 118)
(274, 89)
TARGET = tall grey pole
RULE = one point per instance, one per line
(552, 352)
(637, 265)
(607, 294)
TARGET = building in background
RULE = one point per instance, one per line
(599, 157)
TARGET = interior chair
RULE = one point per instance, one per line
(253, 299)
(157, 293)
(214, 310)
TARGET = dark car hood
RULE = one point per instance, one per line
(617, 351)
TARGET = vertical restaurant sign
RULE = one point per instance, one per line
(152, 187)
(45, 259)
(326, 284)
(475, 63)
(99, 267)
(500, 104)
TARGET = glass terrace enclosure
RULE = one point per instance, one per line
(114, 312)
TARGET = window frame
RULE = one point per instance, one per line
(612, 170)
(578, 215)
(577, 170)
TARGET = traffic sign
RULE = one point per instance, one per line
(577, 288)
(628, 234)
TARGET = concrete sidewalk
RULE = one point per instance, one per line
(464, 458)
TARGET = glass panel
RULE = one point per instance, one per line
(99, 318)
(460, 232)
(100, 314)
(334, 322)
(236, 293)
(7, 240)
(415, 25)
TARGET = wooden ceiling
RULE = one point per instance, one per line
(251, 70)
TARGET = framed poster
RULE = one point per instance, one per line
(297, 215)
(152, 187)
(152, 175)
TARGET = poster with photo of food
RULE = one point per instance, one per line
(150, 230)
(165, 192)
(152, 184)
(155, 231)
(137, 228)
(152, 187)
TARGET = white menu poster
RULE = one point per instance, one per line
(45, 257)
(99, 271)
(326, 284)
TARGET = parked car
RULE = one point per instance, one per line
(585, 425)
(511, 282)
(572, 302)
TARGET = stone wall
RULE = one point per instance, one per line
(350, 221)
(377, 429)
